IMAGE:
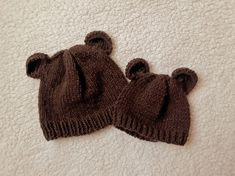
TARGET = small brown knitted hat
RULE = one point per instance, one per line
(154, 107)
(78, 87)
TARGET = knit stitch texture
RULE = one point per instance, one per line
(77, 91)
(154, 107)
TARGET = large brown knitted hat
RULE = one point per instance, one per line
(155, 107)
(78, 87)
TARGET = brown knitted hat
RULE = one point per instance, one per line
(154, 107)
(78, 87)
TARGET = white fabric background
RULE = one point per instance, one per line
(192, 33)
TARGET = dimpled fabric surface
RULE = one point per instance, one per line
(196, 34)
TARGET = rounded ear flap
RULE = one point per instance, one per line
(186, 78)
(136, 68)
(35, 65)
(99, 39)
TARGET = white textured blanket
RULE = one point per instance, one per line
(199, 34)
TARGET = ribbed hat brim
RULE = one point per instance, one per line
(76, 127)
(137, 129)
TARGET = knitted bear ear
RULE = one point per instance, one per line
(35, 65)
(136, 68)
(99, 39)
(186, 78)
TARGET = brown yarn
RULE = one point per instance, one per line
(77, 91)
(155, 107)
